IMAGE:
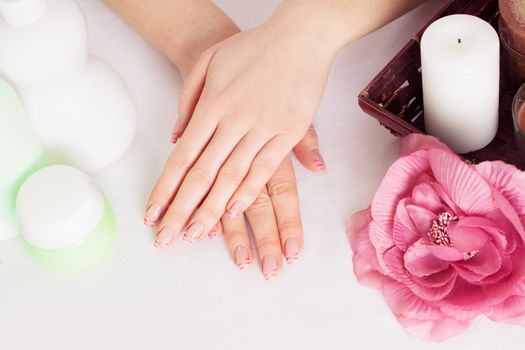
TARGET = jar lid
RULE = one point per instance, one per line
(22, 12)
(58, 207)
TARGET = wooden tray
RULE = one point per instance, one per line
(395, 96)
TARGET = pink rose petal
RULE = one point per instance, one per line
(466, 187)
(403, 302)
(365, 264)
(417, 317)
(508, 180)
(446, 253)
(416, 142)
(419, 261)
(511, 311)
(380, 239)
(421, 217)
(466, 238)
(513, 283)
(404, 232)
(396, 270)
(397, 183)
(486, 262)
(489, 227)
(439, 279)
(508, 211)
(358, 226)
(424, 196)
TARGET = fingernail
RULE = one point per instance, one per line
(269, 267)
(175, 133)
(213, 233)
(318, 160)
(242, 257)
(152, 215)
(164, 237)
(195, 231)
(235, 209)
(291, 250)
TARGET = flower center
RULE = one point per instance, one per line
(438, 233)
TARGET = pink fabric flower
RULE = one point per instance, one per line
(444, 240)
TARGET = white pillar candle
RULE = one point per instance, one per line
(460, 68)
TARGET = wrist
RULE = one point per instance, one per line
(312, 23)
(189, 50)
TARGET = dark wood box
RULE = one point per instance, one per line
(395, 97)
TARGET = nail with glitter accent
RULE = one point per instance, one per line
(269, 266)
(195, 231)
(152, 215)
(164, 237)
(235, 209)
(318, 160)
(242, 257)
(291, 250)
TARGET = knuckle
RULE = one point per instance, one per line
(177, 162)
(231, 174)
(290, 228)
(173, 219)
(264, 165)
(234, 234)
(262, 201)
(200, 176)
(210, 213)
(280, 187)
(267, 242)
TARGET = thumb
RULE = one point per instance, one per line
(307, 152)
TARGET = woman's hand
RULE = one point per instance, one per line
(249, 100)
(274, 217)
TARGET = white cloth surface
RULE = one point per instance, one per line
(192, 296)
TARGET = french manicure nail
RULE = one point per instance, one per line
(291, 250)
(164, 237)
(235, 209)
(269, 266)
(175, 134)
(152, 215)
(242, 257)
(195, 231)
(213, 233)
(318, 160)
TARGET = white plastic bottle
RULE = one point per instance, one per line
(79, 106)
(20, 156)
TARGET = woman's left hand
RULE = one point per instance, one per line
(247, 103)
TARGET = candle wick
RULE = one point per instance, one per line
(459, 40)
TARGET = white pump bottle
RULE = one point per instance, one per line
(79, 106)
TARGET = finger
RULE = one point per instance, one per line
(228, 180)
(191, 92)
(262, 220)
(307, 151)
(262, 168)
(238, 240)
(190, 146)
(282, 189)
(196, 185)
